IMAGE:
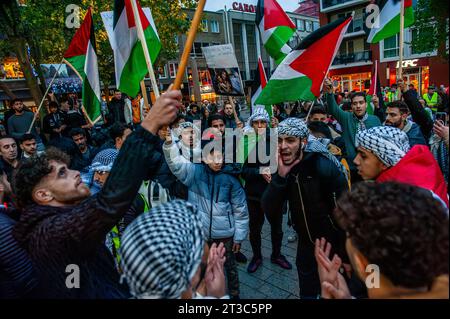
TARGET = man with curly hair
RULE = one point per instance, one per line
(398, 247)
(63, 228)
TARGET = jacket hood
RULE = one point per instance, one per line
(419, 168)
(31, 217)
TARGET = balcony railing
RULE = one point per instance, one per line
(331, 3)
(362, 56)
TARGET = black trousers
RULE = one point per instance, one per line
(256, 222)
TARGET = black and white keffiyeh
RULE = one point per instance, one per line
(161, 250)
(293, 127)
(389, 144)
(361, 123)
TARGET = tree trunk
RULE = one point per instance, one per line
(25, 65)
(6, 89)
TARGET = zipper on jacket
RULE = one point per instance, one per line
(303, 209)
(217, 195)
(211, 210)
(229, 220)
(329, 217)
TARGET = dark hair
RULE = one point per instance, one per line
(320, 127)
(356, 94)
(53, 104)
(64, 100)
(400, 105)
(26, 137)
(6, 136)
(215, 117)
(346, 106)
(31, 171)
(177, 120)
(401, 228)
(117, 130)
(77, 131)
(318, 110)
(15, 100)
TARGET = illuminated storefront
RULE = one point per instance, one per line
(352, 78)
(415, 71)
(10, 69)
(205, 83)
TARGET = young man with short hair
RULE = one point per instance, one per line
(8, 155)
(397, 231)
(119, 133)
(20, 122)
(311, 182)
(54, 123)
(28, 146)
(351, 123)
(85, 154)
(63, 228)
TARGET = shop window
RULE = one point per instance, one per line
(11, 69)
(173, 70)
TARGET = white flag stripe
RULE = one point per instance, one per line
(91, 70)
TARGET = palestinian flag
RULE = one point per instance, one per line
(301, 74)
(261, 80)
(129, 59)
(81, 56)
(375, 89)
(275, 27)
(389, 19)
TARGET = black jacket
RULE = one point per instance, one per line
(54, 121)
(312, 188)
(79, 162)
(419, 115)
(255, 184)
(116, 109)
(56, 237)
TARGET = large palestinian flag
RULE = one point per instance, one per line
(301, 74)
(275, 27)
(389, 19)
(81, 56)
(129, 59)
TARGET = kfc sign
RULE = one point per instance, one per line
(408, 63)
(244, 7)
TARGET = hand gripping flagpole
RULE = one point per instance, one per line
(141, 36)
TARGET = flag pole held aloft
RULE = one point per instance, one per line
(188, 45)
(141, 37)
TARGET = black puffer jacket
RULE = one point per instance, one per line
(312, 188)
(56, 237)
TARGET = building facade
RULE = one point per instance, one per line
(355, 60)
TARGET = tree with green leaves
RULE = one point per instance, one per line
(40, 26)
(431, 29)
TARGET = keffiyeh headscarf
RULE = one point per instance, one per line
(162, 250)
(389, 144)
(361, 123)
(293, 127)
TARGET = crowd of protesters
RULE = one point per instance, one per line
(148, 196)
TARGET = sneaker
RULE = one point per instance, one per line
(254, 264)
(292, 238)
(282, 262)
(240, 257)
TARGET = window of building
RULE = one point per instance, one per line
(173, 67)
(204, 26)
(215, 27)
(309, 26)
(197, 48)
(316, 25)
(162, 71)
(301, 25)
(391, 48)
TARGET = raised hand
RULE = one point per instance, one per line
(328, 269)
(164, 112)
(328, 86)
(214, 276)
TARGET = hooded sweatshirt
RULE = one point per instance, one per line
(419, 168)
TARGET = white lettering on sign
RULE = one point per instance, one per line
(244, 7)
(408, 63)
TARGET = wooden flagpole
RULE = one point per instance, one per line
(188, 45)
(141, 36)
(43, 98)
